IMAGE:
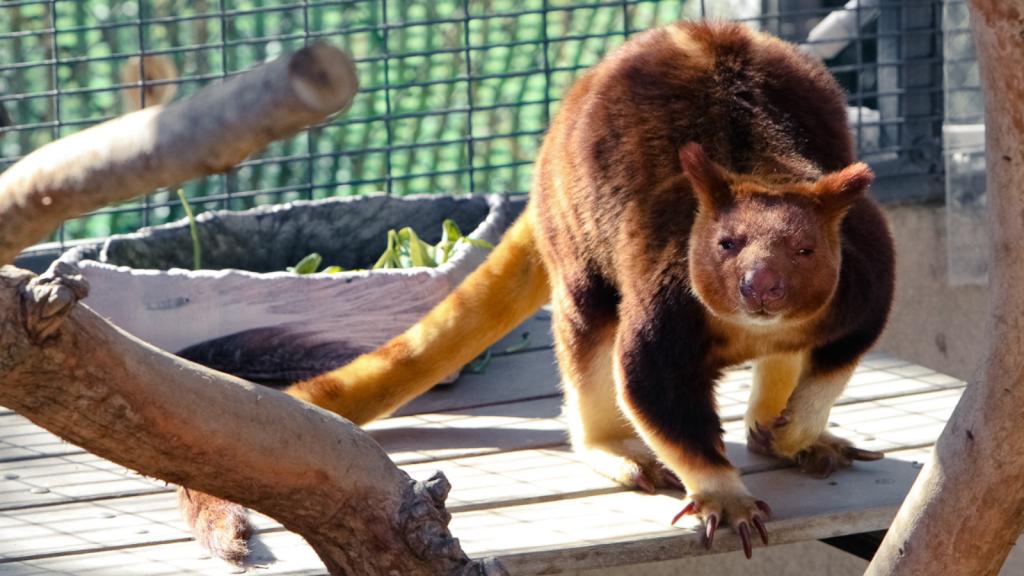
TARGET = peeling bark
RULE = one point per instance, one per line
(966, 510)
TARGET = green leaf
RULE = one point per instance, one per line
(450, 236)
(522, 345)
(390, 258)
(444, 251)
(197, 253)
(332, 270)
(480, 364)
(418, 250)
(307, 265)
(450, 231)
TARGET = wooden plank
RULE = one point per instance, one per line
(507, 378)
(68, 478)
(580, 533)
(20, 439)
(515, 478)
(83, 527)
(881, 425)
(476, 431)
(488, 481)
(878, 377)
(279, 553)
(424, 438)
(897, 423)
(631, 528)
(493, 482)
(545, 475)
(80, 527)
(87, 526)
(887, 424)
(501, 480)
(533, 375)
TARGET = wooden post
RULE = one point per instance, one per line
(966, 510)
(71, 372)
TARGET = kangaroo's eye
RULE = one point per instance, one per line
(726, 244)
(805, 252)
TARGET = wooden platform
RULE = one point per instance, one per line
(518, 492)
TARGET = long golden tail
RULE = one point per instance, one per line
(494, 299)
(503, 292)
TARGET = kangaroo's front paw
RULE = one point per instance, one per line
(830, 453)
(735, 509)
(821, 457)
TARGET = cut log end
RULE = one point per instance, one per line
(324, 78)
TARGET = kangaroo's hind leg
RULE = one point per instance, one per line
(584, 325)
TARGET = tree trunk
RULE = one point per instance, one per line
(71, 372)
(966, 509)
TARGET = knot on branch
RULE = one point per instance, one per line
(46, 300)
(424, 521)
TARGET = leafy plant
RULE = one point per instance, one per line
(405, 250)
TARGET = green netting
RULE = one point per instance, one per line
(455, 94)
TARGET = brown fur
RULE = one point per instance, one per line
(695, 205)
(219, 526)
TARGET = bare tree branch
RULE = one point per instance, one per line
(166, 145)
(71, 372)
(966, 510)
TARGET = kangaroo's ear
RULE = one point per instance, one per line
(838, 191)
(710, 181)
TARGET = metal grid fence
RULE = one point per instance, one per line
(456, 94)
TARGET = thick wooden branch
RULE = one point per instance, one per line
(166, 145)
(316, 473)
(71, 372)
(966, 510)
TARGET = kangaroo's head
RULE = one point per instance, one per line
(764, 252)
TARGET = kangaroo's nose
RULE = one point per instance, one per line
(760, 287)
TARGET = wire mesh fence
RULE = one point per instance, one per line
(455, 94)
